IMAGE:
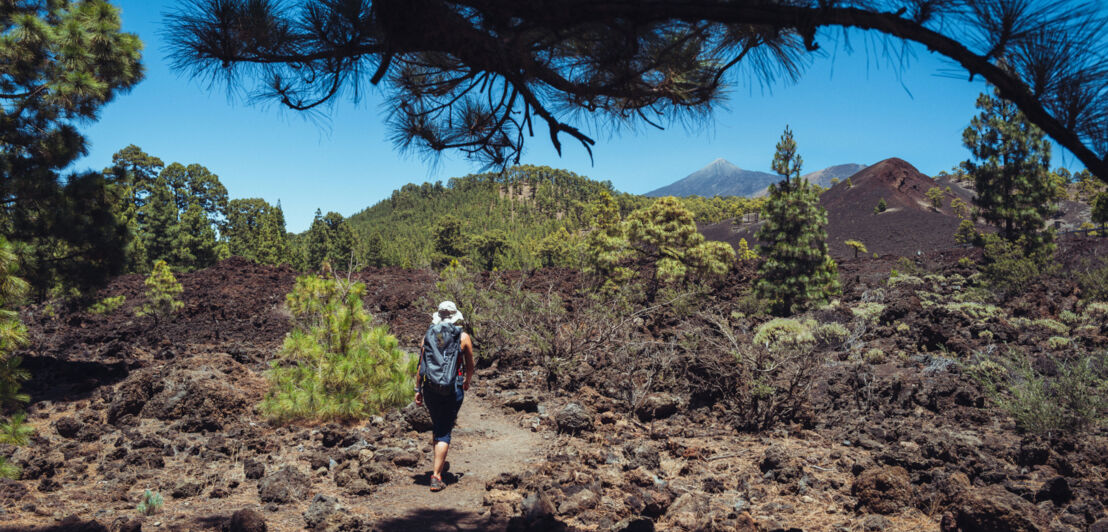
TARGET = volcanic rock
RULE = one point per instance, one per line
(418, 418)
(883, 490)
(287, 485)
(321, 508)
(572, 419)
(658, 406)
(247, 520)
(253, 469)
(992, 508)
(68, 427)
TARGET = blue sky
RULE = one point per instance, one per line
(848, 108)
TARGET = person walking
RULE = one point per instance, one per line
(441, 382)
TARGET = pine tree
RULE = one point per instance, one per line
(556, 249)
(255, 230)
(162, 290)
(1010, 166)
(335, 364)
(13, 334)
(161, 226)
(449, 240)
(372, 250)
(63, 61)
(664, 238)
(966, 233)
(797, 271)
(131, 177)
(606, 247)
(1100, 211)
(197, 245)
(490, 245)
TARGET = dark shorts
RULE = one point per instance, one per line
(444, 411)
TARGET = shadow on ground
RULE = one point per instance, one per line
(424, 478)
(435, 520)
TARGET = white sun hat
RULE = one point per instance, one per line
(448, 312)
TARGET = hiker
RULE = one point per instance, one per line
(439, 379)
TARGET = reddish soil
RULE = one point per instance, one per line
(906, 441)
(909, 225)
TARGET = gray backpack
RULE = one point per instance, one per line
(441, 346)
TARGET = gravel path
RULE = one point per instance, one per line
(486, 442)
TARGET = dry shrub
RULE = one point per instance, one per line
(760, 383)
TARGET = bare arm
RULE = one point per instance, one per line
(467, 350)
(419, 369)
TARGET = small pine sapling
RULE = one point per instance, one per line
(744, 252)
(335, 364)
(857, 246)
(150, 503)
(881, 207)
(13, 334)
(966, 233)
(935, 194)
(961, 208)
(162, 290)
(16, 431)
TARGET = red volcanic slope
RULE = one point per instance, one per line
(908, 225)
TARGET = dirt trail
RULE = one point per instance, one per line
(486, 442)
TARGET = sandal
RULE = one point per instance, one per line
(437, 484)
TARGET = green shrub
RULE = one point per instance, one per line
(1096, 311)
(908, 280)
(830, 334)
(966, 262)
(903, 328)
(749, 304)
(1072, 400)
(1009, 269)
(1058, 342)
(868, 311)
(986, 335)
(150, 503)
(335, 364)
(1087, 330)
(1069, 317)
(768, 380)
(1094, 283)
(784, 334)
(975, 311)
(1051, 325)
(874, 356)
(107, 305)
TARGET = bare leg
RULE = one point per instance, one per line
(440, 457)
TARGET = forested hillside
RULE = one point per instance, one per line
(525, 217)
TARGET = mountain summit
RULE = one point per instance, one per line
(719, 178)
(722, 178)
